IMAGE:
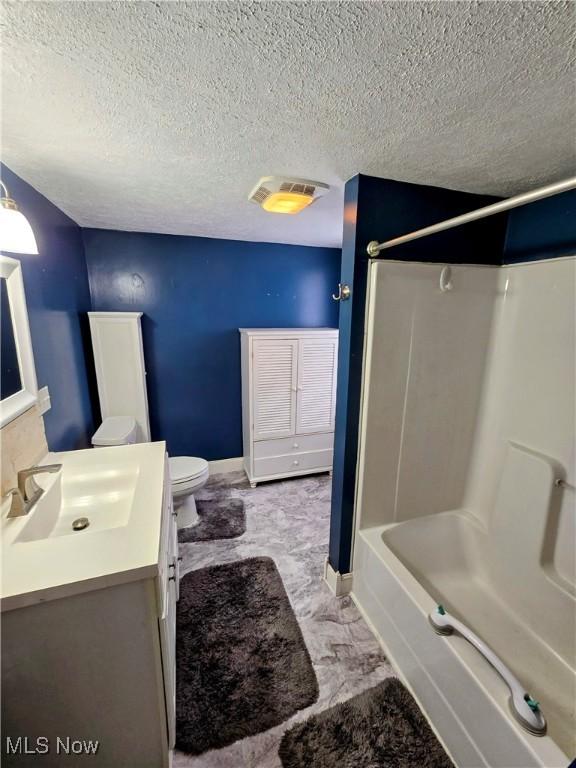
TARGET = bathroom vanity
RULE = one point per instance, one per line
(89, 616)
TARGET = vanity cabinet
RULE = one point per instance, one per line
(288, 401)
(97, 662)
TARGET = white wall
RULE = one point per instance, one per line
(425, 358)
(529, 392)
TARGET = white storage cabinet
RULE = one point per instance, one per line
(288, 401)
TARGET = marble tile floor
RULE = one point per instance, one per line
(289, 521)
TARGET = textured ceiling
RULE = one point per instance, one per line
(161, 116)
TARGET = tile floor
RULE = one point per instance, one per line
(289, 521)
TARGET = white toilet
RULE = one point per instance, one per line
(187, 473)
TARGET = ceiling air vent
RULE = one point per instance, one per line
(277, 194)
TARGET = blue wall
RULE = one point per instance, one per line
(196, 293)
(57, 295)
(379, 209)
(542, 230)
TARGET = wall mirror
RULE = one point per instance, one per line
(18, 387)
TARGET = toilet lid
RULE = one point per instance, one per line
(183, 468)
(114, 430)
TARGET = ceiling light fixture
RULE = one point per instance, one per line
(278, 194)
(16, 235)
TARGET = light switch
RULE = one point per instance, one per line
(44, 403)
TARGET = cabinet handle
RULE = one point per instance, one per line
(180, 559)
(295, 462)
(295, 445)
(172, 578)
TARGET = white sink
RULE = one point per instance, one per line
(119, 490)
(102, 494)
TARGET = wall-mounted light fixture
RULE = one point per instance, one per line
(16, 235)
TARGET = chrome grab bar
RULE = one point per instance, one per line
(524, 708)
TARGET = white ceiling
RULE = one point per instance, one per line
(161, 116)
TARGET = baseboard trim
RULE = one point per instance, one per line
(339, 583)
(226, 465)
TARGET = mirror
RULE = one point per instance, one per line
(18, 388)
(10, 379)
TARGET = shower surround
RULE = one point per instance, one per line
(466, 496)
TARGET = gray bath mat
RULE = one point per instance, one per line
(219, 519)
(241, 663)
(380, 728)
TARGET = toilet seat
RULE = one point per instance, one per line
(183, 469)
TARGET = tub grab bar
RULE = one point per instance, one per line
(524, 708)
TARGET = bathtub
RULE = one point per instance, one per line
(402, 571)
(466, 496)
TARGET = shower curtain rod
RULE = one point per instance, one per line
(375, 247)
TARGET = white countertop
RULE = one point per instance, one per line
(120, 490)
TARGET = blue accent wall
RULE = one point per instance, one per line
(542, 230)
(58, 297)
(380, 209)
(195, 293)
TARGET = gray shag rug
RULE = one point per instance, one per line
(380, 728)
(242, 666)
(219, 519)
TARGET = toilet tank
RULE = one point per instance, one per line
(116, 430)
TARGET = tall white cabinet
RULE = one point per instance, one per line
(288, 401)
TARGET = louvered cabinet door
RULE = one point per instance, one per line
(316, 402)
(275, 364)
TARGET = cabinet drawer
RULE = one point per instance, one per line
(296, 462)
(297, 444)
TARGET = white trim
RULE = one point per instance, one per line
(226, 465)
(287, 475)
(339, 583)
(504, 265)
(16, 404)
(120, 315)
(566, 257)
(289, 333)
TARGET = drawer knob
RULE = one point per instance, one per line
(295, 445)
(295, 462)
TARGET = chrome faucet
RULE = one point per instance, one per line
(28, 492)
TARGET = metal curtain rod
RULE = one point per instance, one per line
(375, 247)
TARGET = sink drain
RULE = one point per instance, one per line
(80, 523)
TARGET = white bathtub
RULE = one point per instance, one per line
(401, 572)
(468, 403)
